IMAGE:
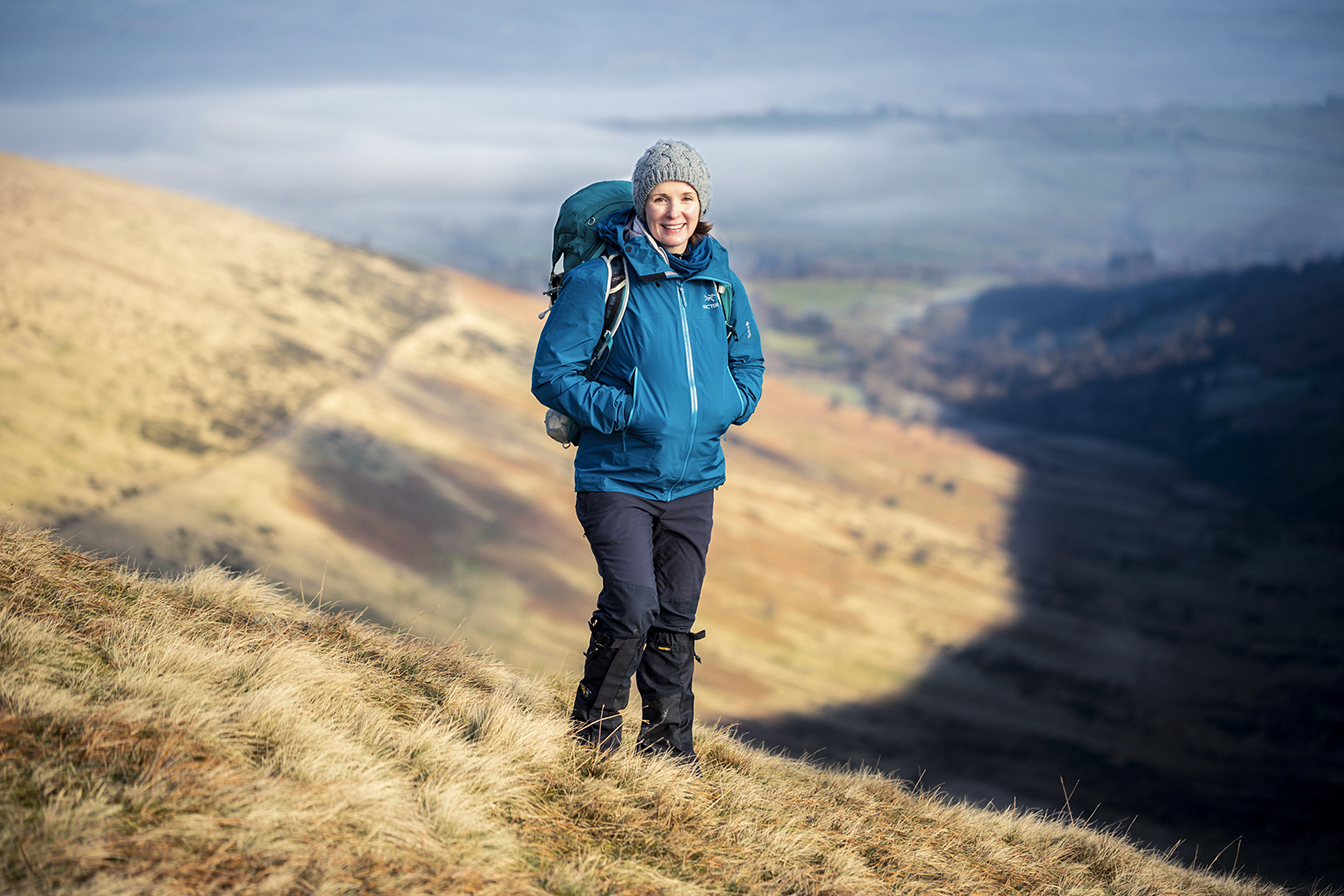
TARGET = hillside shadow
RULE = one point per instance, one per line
(1174, 672)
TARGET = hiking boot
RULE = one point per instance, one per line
(605, 688)
(664, 681)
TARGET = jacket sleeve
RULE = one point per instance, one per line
(745, 359)
(572, 329)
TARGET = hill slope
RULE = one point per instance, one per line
(147, 335)
(1175, 543)
(208, 734)
(416, 482)
(890, 595)
(1240, 374)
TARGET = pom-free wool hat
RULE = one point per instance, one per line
(670, 160)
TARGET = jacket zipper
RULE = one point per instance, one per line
(690, 380)
(686, 340)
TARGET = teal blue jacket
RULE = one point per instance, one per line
(674, 381)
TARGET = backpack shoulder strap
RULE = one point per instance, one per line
(726, 303)
(617, 300)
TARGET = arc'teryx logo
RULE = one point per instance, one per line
(711, 299)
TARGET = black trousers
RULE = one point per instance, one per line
(651, 556)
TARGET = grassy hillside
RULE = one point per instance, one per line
(147, 335)
(1173, 657)
(892, 594)
(416, 481)
(209, 735)
(1239, 374)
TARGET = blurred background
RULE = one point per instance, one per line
(1043, 505)
(1019, 135)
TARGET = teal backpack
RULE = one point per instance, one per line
(576, 241)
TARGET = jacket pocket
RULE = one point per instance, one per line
(634, 396)
(720, 405)
(635, 421)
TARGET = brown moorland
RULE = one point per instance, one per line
(414, 481)
(875, 591)
(147, 335)
(209, 734)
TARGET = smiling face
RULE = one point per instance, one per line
(672, 211)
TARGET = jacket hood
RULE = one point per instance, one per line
(649, 262)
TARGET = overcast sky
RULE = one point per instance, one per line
(415, 123)
(953, 55)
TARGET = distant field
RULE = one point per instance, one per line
(811, 327)
(866, 300)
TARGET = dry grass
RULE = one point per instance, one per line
(210, 735)
(145, 335)
(185, 384)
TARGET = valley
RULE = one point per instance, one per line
(899, 579)
(1173, 665)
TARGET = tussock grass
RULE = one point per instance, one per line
(210, 735)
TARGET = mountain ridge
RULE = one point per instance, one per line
(863, 567)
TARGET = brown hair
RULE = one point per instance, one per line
(702, 229)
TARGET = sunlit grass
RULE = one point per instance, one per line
(208, 734)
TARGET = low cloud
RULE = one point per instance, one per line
(464, 160)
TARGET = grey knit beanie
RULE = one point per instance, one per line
(670, 160)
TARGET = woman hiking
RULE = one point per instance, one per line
(679, 372)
